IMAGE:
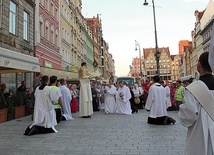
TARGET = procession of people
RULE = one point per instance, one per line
(55, 101)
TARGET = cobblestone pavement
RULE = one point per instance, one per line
(101, 134)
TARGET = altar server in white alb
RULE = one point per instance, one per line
(167, 89)
(156, 104)
(123, 96)
(110, 102)
(66, 100)
(44, 117)
(197, 111)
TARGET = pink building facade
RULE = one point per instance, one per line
(47, 47)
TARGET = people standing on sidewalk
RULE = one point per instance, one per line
(22, 88)
(146, 87)
(179, 94)
(102, 95)
(172, 97)
(167, 89)
(196, 112)
(135, 100)
(123, 96)
(141, 105)
(110, 102)
(66, 100)
(58, 105)
(94, 97)
(74, 104)
(44, 118)
(156, 104)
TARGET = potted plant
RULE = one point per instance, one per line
(10, 106)
(21, 100)
(3, 108)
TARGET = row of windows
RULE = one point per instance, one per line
(13, 20)
(50, 8)
(155, 61)
(207, 34)
(49, 33)
(65, 35)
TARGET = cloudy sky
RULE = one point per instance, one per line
(125, 21)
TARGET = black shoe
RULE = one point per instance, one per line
(86, 116)
(136, 111)
(172, 120)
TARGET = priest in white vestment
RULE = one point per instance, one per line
(110, 101)
(85, 97)
(192, 113)
(44, 117)
(123, 96)
(66, 101)
(156, 104)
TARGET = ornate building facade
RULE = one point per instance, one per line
(17, 61)
(47, 39)
(151, 65)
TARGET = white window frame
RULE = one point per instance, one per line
(47, 30)
(13, 19)
(26, 26)
(57, 37)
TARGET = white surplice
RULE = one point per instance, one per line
(123, 106)
(66, 102)
(85, 98)
(156, 101)
(110, 102)
(168, 99)
(200, 134)
(44, 113)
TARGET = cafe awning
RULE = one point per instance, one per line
(14, 62)
(59, 73)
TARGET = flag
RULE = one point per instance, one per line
(211, 50)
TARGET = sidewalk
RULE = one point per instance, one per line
(100, 135)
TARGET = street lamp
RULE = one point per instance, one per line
(138, 45)
(157, 53)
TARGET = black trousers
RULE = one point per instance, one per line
(37, 130)
(164, 120)
(58, 115)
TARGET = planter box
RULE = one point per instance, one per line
(20, 111)
(3, 115)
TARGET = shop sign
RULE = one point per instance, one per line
(48, 64)
(73, 68)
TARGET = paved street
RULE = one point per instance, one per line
(100, 135)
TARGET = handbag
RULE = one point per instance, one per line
(137, 100)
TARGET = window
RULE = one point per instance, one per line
(56, 14)
(13, 18)
(41, 28)
(0, 11)
(52, 9)
(47, 33)
(47, 30)
(52, 35)
(47, 5)
(26, 26)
